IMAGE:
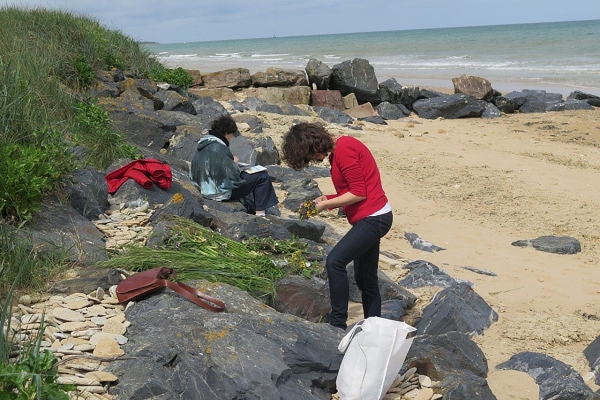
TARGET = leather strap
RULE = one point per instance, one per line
(195, 296)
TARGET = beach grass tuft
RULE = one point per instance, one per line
(48, 59)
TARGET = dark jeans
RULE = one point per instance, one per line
(361, 245)
(259, 184)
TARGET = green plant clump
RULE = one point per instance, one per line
(20, 258)
(196, 252)
(30, 171)
(95, 132)
(177, 76)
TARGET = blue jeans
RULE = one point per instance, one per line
(361, 245)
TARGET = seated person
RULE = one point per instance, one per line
(216, 171)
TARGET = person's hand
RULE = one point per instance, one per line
(321, 202)
(320, 199)
(235, 159)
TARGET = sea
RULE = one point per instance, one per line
(559, 57)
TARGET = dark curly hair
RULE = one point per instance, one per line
(302, 142)
(224, 125)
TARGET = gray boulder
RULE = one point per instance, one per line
(449, 107)
(356, 76)
(318, 74)
(457, 308)
(87, 192)
(552, 244)
(250, 351)
(556, 379)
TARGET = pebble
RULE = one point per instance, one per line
(70, 324)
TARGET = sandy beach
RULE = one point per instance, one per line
(474, 186)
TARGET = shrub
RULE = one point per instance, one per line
(178, 76)
(29, 171)
(95, 132)
(85, 72)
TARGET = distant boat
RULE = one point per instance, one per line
(274, 37)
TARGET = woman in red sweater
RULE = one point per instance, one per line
(357, 182)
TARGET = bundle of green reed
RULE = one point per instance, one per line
(196, 252)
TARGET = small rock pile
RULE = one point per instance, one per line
(84, 331)
(408, 386)
(124, 224)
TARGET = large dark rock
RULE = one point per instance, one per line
(59, 226)
(388, 110)
(141, 126)
(457, 308)
(356, 76)
(591, 99)
(424, 274)
(556, 379)
(552, 244)
(300, 190)
(592, 354)
(438, 356)
(449, 107)
(333, 116)
(465, 385)
(254, 122)
(173, 101)
(570, 104)
(318, 74)
(87, 192)
(304, 298)
(391, 91)
(249, 351)
(261, 151)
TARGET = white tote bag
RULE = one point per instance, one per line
(374, 351)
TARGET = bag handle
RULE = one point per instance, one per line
(193, 295)
(196, 296)
(345, 342)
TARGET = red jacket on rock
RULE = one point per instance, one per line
(145, 172)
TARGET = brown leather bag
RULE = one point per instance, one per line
(144, 283)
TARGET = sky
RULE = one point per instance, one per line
(176, 21)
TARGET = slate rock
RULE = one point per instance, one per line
(318, 73)
(457, 308)
(556, 379)
(249, 351)
(356, 76)
(388, 110)
(424, 274)
(417, 243)
(449, 107)
(438, 356)
(390, 91)
(592, 354)
(60, 226)
(87, 192)
(333, 116)
(465, 385)
(552, 244)
(304, 298)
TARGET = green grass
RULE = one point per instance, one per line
(21, 261)
(26, 371)
(196, 252)
(47, 61)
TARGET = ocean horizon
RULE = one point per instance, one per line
(557, 57)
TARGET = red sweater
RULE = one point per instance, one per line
(354, 170)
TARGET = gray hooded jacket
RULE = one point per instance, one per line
(213, 169)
